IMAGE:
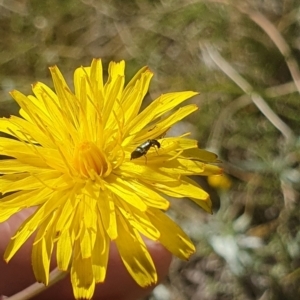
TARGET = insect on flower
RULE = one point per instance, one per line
(144, 148)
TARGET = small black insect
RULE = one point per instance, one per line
(144, 148)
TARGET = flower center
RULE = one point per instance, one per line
(89, 160)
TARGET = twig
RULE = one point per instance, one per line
(281, 90)
(273, 34)
(278, 40)
(37, 288)
(213, 142)
(248, 89)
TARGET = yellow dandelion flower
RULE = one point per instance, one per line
(97, 168)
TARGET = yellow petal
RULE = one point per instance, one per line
(183, 166)
(115, 185)
(113, 90)
(32, 154)
(139, 221)
(13, 182)
(160, 127)
(106, 209)
(211, 170)
(175, 117)
(88, 223)
(96, 77)
(100, 254)
(22, 152)
(66, 215)
(82, 278)
(25, 199)
(181, 142)
(171, 235)
(86, 245)
(132, 99)
(150, 197)
(200, 154)
(19, 128)
(64, 250)
(30, 106)
(30, 225)
(157, 108)
(131, 84)
(186, 188)
(42, 250)
(11, 166)
(134, 254)
(6, 213)
(62, 89)
(145, 172)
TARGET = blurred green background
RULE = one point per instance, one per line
(243, 57)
